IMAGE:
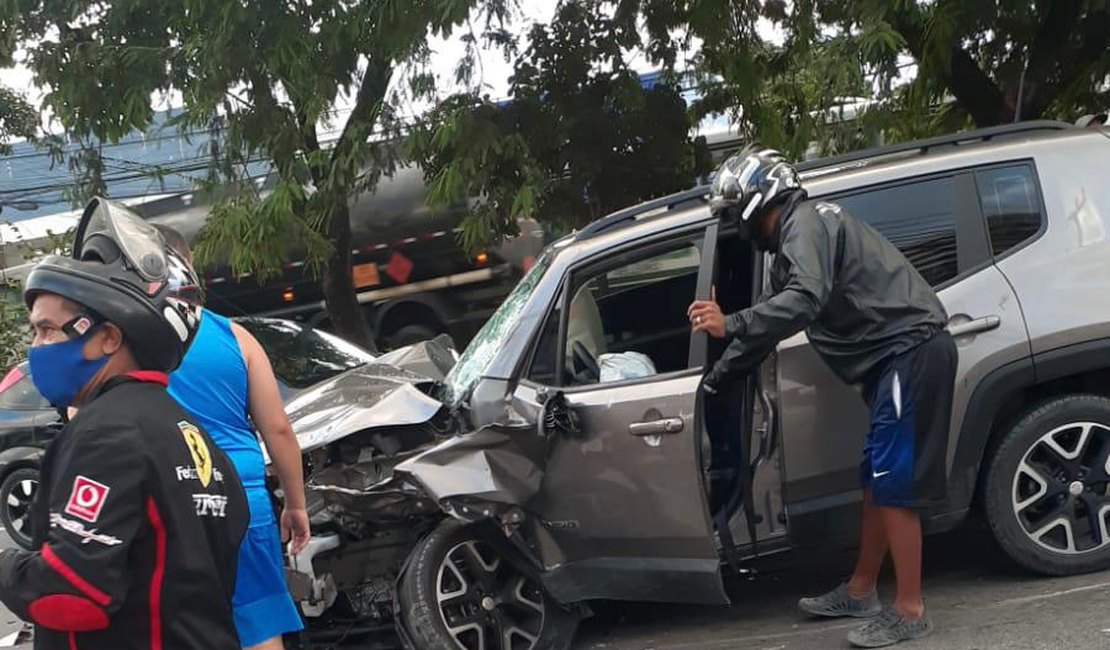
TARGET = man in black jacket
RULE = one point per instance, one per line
(876, 322)
(139, 519)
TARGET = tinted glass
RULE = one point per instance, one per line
(19, 393)
(919, 218)
(302, 356)
(1008, 196)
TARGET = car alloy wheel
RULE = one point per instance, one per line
(17, 493)
(485, 603)
(1061, 489)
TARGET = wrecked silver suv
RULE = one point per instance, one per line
(566, 455)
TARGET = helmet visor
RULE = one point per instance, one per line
(140, 242)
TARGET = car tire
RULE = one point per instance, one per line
(16, 492)
(448, 559)
(1045, 479)
(408, 335)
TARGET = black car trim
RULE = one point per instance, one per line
(992, 393)
(1072, 359)
(984, 405)
(683, 580)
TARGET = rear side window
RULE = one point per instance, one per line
(919, 218)
(1008, 196)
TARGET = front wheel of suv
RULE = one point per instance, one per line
(1047, 492)
(458, 594)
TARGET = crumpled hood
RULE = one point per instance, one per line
(373, 395)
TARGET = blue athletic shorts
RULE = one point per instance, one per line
(262, 605)
(910, 397)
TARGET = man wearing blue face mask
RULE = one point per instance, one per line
(139, 518)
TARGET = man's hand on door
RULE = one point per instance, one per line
(706, 316)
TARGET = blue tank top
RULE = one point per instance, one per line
(211, 384)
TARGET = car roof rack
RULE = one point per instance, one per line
(627, 216)
(922, 147)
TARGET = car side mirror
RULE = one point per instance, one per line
(557, 417)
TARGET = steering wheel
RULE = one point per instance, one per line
(583, 363)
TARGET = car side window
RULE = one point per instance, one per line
(919, 218)
(1008, 197)
(625, 322)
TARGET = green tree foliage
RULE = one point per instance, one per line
(579, 139)
(17, 118)
(267, 78)
(14, 330)
(981, 62)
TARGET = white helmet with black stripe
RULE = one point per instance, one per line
(748, 183)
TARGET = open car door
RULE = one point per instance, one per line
(622, 508)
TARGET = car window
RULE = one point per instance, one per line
(18, 393)
(626, 322)
(919, 218)
(302, 356)
(1008, 196)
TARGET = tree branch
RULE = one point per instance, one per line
(973, 89)
(1055, 62)
(360, 124)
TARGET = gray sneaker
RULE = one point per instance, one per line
(889, 628)
(839, 602)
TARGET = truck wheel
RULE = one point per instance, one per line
(408, 335)
(457, 594)
(16, 494)
(1047, 492)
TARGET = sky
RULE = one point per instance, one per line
(494, 72)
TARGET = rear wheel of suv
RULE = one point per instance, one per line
(457, 593)
(1047, 495)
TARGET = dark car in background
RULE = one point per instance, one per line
(300, 355)
(27, 423)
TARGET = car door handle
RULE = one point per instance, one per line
(976, 326)
(656, 427)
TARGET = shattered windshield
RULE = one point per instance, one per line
(491, 337)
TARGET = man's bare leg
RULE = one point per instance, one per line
(903, 530)
(269, 644)
(872, 549)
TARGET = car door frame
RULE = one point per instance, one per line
(693, 579)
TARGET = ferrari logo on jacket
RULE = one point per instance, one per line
(199, 450)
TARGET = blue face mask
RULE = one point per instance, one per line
(60, 371)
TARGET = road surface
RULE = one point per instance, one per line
(977, 599)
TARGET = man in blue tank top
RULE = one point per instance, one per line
(226, 382)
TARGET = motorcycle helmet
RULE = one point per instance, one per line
(747, 184)
(122, 272)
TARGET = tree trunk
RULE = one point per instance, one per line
(347, 317)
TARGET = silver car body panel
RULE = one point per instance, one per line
(370, 396)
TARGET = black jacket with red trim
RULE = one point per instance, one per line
(138, 525)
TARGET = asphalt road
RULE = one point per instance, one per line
(977, 599)
(9, 624)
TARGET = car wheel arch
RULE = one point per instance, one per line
(1009, 392)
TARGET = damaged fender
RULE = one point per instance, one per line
(492, 472)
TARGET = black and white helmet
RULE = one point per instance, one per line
(748, 183)
(123, 272)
